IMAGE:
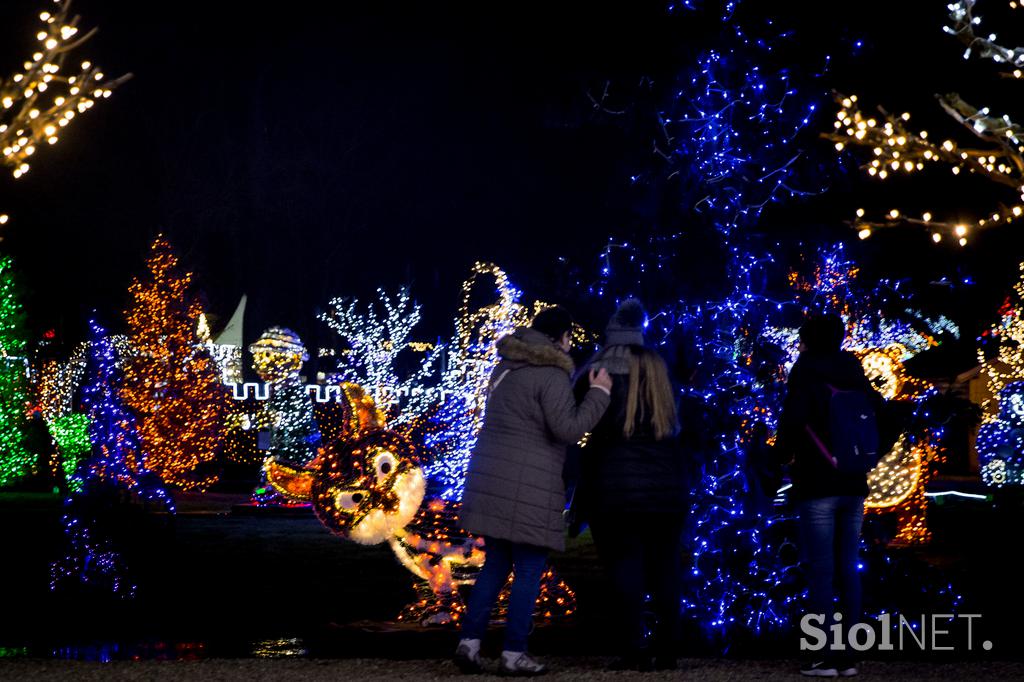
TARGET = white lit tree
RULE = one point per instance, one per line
(376, 336)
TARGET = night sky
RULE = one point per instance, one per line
(299, 151)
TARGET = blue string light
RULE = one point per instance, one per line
(115, 465)
(731, 145)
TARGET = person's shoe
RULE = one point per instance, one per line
(845, 665)
(520, 664)
(819, 669)
(467, 657)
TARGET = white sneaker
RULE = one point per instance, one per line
(819, 669)
(520, 664)
(467, 657)
(849, 671)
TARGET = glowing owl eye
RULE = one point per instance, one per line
(385, 464)
(349, 500)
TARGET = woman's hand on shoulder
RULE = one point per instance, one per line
(599, 378)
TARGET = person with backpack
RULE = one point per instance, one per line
(514, 495)
(828, 434)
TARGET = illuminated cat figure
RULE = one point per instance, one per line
(371, 490)
(368, 486)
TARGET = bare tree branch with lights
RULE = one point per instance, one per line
(961, 16)
(37, 102)
(995, 154)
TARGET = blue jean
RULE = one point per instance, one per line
(830, 548)
(527, 562)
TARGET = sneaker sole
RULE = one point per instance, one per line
(520, 673)
(820, 673)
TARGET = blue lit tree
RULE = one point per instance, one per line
(112, 470)
(729, 143)
(733, 137)
(116, 454)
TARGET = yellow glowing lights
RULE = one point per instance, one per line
(278, 356)
(895, 478)
(884, 369)
(25, 114)
(898, 482)
(896, 149)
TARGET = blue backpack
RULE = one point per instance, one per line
(853, 432)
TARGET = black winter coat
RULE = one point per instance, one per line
(629, 475)
(807, 401)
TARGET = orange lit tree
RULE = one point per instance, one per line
(171, 382)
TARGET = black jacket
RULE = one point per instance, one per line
(806, 404)
(636, 475)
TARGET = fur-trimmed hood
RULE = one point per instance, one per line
(528, 347)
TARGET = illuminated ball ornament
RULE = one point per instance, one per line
(278, 356)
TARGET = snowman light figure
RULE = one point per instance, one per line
(290, 431)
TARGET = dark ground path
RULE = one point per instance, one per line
(216, 585)
(563, 669)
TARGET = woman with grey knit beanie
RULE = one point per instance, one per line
(633, 490)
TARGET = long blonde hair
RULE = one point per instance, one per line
(650, 401)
